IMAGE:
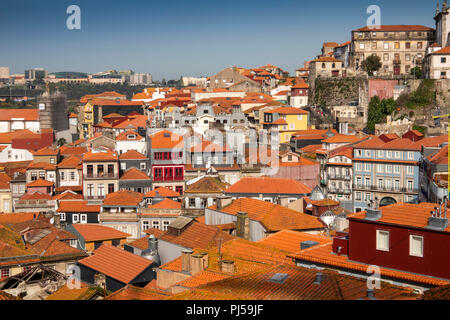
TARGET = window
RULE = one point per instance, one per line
(62, 176)
(4, 273)
(396, 45)
(52, 160)
(380, 168)
(419, 45)
(28, 268)
(368, 153)
(73, 243)
(62, 216)
(408, 45)
(111, 188)
(408, 57)
(83, 218)
(358, 196)
(142, 166)
(101, 190)
(410, 155)
(397, 154)
(367, 167)
(443, 60)
(382, 240)
(165, 225)
(386, 46)
(409, 185)
(361, 46)
(389, 154)
(300, 117)
(396, 168)
(90, 190)
(380, 154)
(410, 170)
(416, 246)
(75, 218)
(155, 224)
(145, 225)
(374, 45)
(72, 176)
(358, 153)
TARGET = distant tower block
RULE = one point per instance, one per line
(53, 111)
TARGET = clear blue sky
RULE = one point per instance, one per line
(191, 37)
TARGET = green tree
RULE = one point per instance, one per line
(417, 72)
(378, 110)
(371, 64)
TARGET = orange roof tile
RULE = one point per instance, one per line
(441, 157)
(445, 50)
(274, 217)
(163, 192)
(123, 198)
(288, 240)
(288, 110)
(266, 185)
(124, 136)
(134, 174)
(101, 155)
(35, 196)
(166, 140)
(166, 204)
(40, 183)
(405, 214)
(77, 206)
(207, 185)
(130, 292)
(132, 155)
(25, 114)
(68, 195)
(96, 232)
(71, 162)
(116, 263)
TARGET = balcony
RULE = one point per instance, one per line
(385, 189)
(163, 179)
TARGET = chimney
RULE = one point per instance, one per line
(196, 263)
(153, 243)
(283, 201)
(242, 225)
(186, 260)
(205, 260)
(319, 278)
(227, 266)
(223, 201)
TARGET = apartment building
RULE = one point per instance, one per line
(388, 169)
(400, 47)
(100, 173)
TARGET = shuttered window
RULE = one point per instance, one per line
(382, 240)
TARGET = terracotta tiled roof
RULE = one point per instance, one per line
(265, 185)
(25, 114)
(342, 138)
(134, 174)
(203, 278)
(156, 232)
(136, 293)
(47, 151)
(207, 185)
(324, 255)
(123, 198)
(166, 204)
(96, 232)
(163, 192)
(311, 148)
(274, 217)
(67, 150)
(72, 162)
(298, 284)
(166, 140)
(326, 59)
(68, 195)
(438, 293)
(124, 136)
(445, 50)
(132, 155)
(77, 206)
(288, 240)
(85, 292)
(116, 263)
(11, 218)
(36, 196)
(111, 102)
(288, 110)
(440, 157)
(208, 146)
(40, 183)
(196, 235)
(404, 214)
(41, 165)
(103, 155)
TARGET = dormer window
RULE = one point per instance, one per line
(131, 136)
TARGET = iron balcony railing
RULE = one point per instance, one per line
(385, 189)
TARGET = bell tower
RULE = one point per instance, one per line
(442, 19)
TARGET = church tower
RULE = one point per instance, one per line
(443, 25)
